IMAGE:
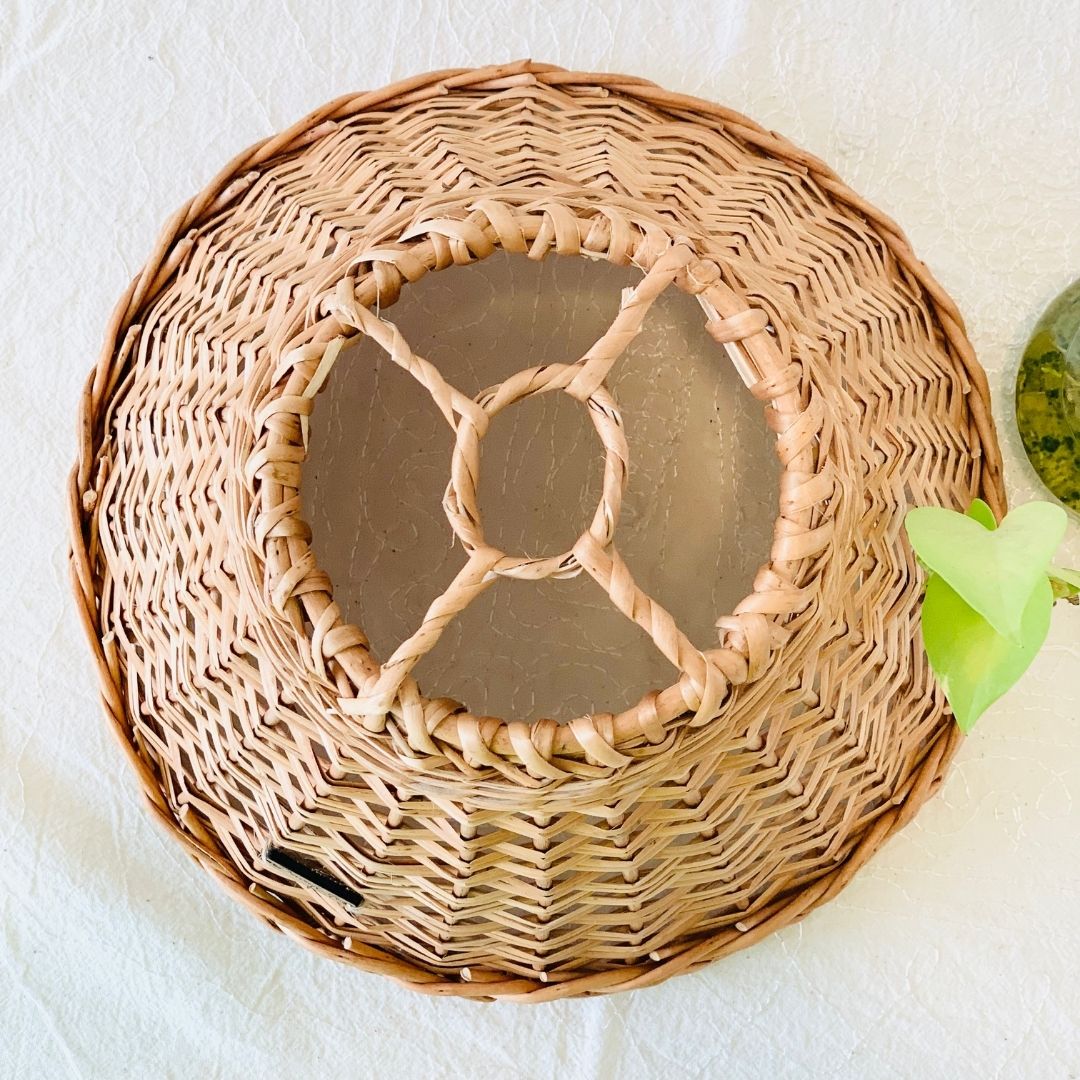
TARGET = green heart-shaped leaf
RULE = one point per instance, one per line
(993, 571)
(982, 514)
(975, 664)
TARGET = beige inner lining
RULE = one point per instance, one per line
(379, 460)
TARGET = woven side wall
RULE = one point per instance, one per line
(494, 858)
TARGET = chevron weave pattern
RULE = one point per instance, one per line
(389, 827)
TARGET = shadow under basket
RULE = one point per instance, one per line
(386, 825)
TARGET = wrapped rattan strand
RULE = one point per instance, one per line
(505, 858)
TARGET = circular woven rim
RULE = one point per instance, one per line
(173, 244)
(378, 695)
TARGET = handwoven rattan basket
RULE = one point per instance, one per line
(390, 827)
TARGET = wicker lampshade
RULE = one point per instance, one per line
(381, 823)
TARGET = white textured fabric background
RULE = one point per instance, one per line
(956, 953)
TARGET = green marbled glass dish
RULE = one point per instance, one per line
(1048, 397)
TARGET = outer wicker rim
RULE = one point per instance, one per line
(174, 242)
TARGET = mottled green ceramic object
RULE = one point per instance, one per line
(1048, 397)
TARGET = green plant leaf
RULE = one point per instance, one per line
(1065, 583)
(975, 664)
(982, 513)
(995, 572)
(1069, 577)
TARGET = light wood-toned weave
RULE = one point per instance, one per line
(523, 857)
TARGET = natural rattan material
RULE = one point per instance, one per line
(473, 855)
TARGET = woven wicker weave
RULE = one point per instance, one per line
(521, 858)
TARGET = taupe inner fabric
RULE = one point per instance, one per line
(379, 463)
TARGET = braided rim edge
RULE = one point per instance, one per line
(176, 239)
(770, 376)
